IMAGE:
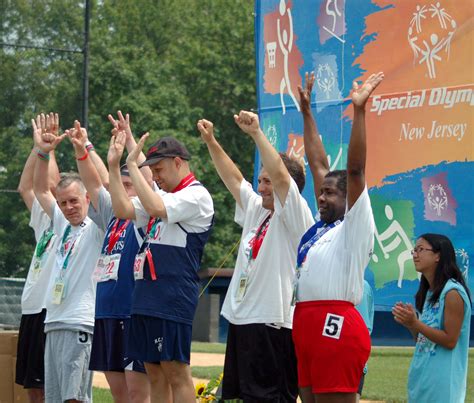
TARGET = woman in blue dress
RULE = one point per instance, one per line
(438, 371)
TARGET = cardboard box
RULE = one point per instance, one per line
(6, 342)
(9, 391)
(6, 376)
(20, 395)
(14, 344)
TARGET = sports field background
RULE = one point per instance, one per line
(385, 381)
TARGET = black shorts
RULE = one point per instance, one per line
(109, 347)
(260, 364)
(361, 385)
(30, 352)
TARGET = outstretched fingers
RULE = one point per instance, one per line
(309, 79)
(52, 123)
(142, 140)
(135, 153)
(360, 94)
(122, 121)
(305, 92)
(56, 122)
(36, 125)
(116, 147)
(112, 121)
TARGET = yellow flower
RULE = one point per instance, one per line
(200, 388)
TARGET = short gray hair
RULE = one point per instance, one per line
(68, 179)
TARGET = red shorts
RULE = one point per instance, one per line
(332, 346)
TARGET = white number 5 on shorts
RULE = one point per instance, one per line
(333, 326)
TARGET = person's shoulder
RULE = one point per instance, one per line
(198, 187)
(90, 226)
(455, 286)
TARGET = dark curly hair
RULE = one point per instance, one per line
(295, 169)
(341, 179)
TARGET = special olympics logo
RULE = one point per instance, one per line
(272, 135)
(428, 46)
(437, 198)
(325, 79)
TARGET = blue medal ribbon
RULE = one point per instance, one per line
(311, 237)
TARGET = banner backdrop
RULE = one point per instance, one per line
(419, 120)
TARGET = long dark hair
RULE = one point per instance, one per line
(447, 269)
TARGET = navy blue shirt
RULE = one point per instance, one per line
(177, 246)
(114, 297)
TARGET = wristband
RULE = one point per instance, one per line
(42, 155)
(83, 157)
(89, 146)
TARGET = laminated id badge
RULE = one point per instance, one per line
(36, 269)
(243, 281)
(295, 291)
(138, 266)
(99, 268)
(59, 291)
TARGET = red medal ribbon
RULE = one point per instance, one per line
(151, 265)
(115, 234)
(151, 221)
(258, 240)
(185, 182)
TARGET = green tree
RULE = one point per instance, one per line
(167, 63)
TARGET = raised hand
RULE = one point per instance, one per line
(49, 127)
(248, 122)
(77, 135)
(52, 123)
(206, 128)
(116, 147)
(135, 153)
(305, 93)
(122, 124)
(36, 124)
(360, 95)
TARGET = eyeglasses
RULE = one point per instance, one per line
(419, 249)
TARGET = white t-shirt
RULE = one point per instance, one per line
(269, 289)
(77, 307)
(335, 264)
(33, 299)
(191, 207)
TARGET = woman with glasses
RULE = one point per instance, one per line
(438, 370)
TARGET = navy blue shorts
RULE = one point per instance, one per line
(109, 347)
(154, 340)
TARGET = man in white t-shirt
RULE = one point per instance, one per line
(31, 340)
(260, 362)
(70, 298)
(331, 340)
(114, 272)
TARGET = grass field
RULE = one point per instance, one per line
(386, 379)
